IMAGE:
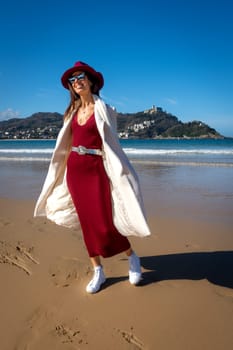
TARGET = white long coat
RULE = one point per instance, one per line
(55, 201)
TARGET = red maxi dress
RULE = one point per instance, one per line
(89, 187)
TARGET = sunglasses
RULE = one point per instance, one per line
(79, 77)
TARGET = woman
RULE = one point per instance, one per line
(90, 180)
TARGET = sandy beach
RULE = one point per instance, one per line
(183, 302)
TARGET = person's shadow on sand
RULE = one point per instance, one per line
(216, 267)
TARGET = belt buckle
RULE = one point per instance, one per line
(82, 150)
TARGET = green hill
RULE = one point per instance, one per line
(153, 123)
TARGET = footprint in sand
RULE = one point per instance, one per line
(69, 335)
(65, 271)
(17, 255)
(4, 222)
(43, 328)
(132, 339)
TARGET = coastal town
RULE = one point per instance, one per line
(151, 123)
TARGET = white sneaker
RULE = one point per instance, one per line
(135, 274)
(96, 282)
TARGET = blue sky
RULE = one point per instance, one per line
(175, 54)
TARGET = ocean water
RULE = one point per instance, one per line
(179, 152)
(183, 177)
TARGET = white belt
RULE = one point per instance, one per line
(83, 150)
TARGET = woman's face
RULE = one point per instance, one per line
(80, 83)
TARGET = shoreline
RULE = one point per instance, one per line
(199, 188)
(151, 162)
(133, 138)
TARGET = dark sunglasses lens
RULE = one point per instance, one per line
(78, 77)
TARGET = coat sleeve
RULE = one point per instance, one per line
(128, 208)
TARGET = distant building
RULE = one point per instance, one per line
(153, 110)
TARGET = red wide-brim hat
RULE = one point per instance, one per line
(96, 77)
